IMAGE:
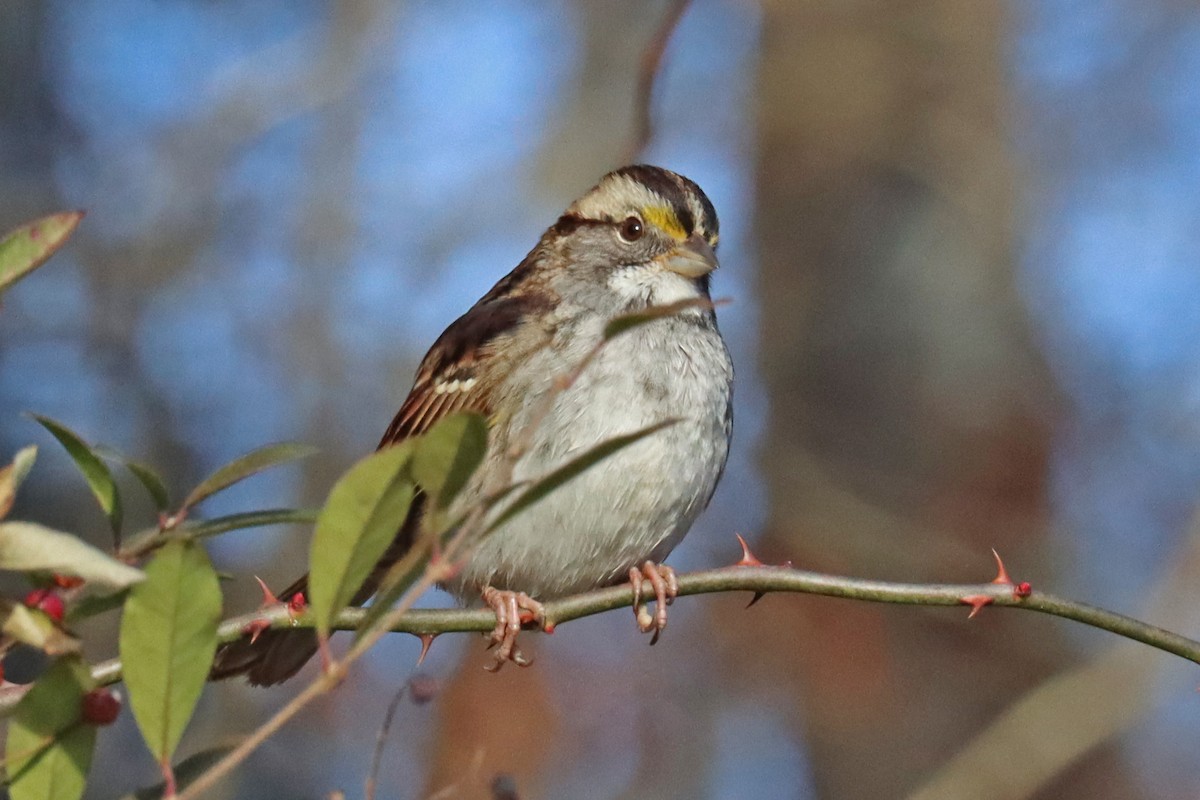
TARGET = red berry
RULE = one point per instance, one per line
(35, 596)
(100, 707)
(66, 581)
(46, 601)
(298, 603)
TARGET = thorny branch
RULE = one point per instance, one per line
(756, 579)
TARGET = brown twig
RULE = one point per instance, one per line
(648, 69)
(377, 757)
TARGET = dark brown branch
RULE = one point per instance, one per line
(649, 68)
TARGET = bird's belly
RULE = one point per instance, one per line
(634, 505)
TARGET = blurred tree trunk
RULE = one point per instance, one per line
(910, 415)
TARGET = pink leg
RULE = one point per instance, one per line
(663, 581)
(508, 607)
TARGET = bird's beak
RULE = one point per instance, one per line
(693, 258)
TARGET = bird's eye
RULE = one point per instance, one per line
(632, 229)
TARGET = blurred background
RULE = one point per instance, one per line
(962, 246)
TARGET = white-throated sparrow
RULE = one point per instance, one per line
(642, 237)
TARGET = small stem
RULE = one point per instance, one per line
(380, 740)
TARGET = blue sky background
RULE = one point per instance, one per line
(443, 195)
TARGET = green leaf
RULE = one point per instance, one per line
(251, 519)
(152, 482)
(28, 247)
(360, 519)
(29, 547)
(247, 465)
(36, 630)
(49, 750)
(99, 479)
(193, 530)
(60, 772)
(12, 475)
(94, 605)
(627, 322)
(186, 771)
(396, 581)
(168, 638)
(572, 469)
(445, 458)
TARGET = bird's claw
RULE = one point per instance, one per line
(665, 584)
(508, 606)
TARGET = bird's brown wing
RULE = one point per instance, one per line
(460, 371)
(456, 374)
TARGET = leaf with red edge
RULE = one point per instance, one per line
(28, 247)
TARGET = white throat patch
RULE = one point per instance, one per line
(651, 285)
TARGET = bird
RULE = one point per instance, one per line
(642, 238)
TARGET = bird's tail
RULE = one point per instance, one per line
(271, 657)
(276, 654)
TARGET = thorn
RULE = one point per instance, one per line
(1001, 572)
(548, 627)
(426, 642)
(748, 558)
(254, 628)
(976, 602)
(269, 598)
(757, 596)
(66, 581)
(1022, 590)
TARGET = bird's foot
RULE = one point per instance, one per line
(665, 585)
(508, 606)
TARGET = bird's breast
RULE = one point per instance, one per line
(639, 502)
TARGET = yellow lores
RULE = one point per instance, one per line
(663, 217)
